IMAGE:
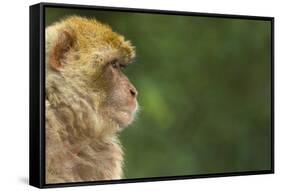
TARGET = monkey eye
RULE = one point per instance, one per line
(114, 63)
(122, 66)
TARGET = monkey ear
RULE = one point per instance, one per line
(61, 46)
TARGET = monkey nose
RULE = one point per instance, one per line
(133, 92)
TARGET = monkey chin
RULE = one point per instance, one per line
(125, 117)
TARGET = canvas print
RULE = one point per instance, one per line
(132, 95)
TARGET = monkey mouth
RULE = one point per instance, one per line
(131, 109)
(127, 114)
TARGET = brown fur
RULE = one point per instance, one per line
(88, 100)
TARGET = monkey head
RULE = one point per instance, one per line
(91, 58)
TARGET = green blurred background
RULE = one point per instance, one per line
(204, 92)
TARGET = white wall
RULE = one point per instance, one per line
(14, 40)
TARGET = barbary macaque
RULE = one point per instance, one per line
(88, 100)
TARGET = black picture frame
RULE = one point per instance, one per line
(37, 94)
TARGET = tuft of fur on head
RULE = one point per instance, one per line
(87, 33)
(81, 139)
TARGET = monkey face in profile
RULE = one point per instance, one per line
(120, 103)
(91, 57)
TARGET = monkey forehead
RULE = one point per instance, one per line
(92, 34)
